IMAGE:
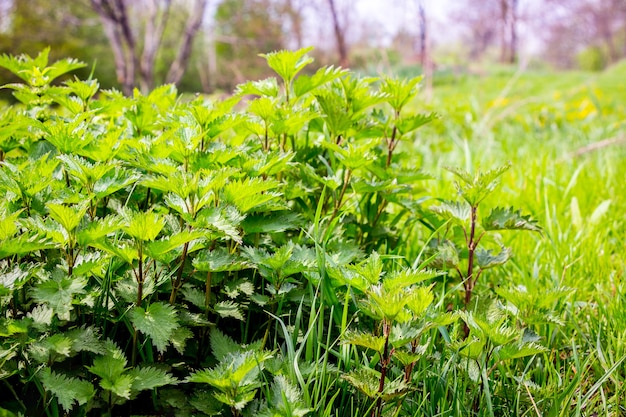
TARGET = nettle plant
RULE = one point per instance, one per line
(464, 242)
(183, 255)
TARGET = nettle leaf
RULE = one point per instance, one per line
(219, 260)
(485, 258)
(13, 278)
(86, 339)
(51, 348)
(179, 339)
(229, 309)
(193, 295)
(68, 390)
(267, 87)
(8, 224)
(234, 289)
(59, 292)
(457, 211)
(272, 223)
(120, 249)
(518, 350)
(305, 83)
(149, 377)
(264, 107)
(407, 358)
(286, 399)
(158, 248)
(371, 269)
(446, 254)
(288, 63)
(250, 193)
(366, 340)
(404, 278)
(509, 219)
(83, 170)
(475, 188)
(143, 226)
(222, 345)
(67, 216)
(471, 367)
(365, 380)
(398, 91)
(157, 321)
(25, 244)
(235, 378)
(419, 299)
(408, 124)
(98, 230)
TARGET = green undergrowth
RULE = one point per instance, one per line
(299, 249)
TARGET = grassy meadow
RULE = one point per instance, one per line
(565, 134)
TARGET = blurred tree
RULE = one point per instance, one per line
(135, 30)
(487, 23)
(570, 26)
(340, 24)
(244, 29)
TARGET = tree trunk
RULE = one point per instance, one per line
(155, 26)
(513, 47)
(114, 16)
(339, 35)
(504, 42)
(178, 66)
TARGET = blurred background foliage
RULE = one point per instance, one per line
(445, 40)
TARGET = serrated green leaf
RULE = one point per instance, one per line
(157, 321)
(149, 377)
(408, 124)
(458, 212)
(509, 219)
(69, 391)
(219, 260)
(25, 244)
(518, 350)
(98, 230)
(485, 258)
(86, 339)
(59, 293)
(158, 248)
(476, 188)
(305, 84)
(366, 340)
(229, 309)
(179, 338)
(143, 226)
(288, 63)
(286, 399)
(267, 87)
(471, 367)
(272, 223)
(193, 295)
(222, 345)
(365, 380)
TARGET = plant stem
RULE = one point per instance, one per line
(391, 145)
(471, 247)
(384, 364)
(339, 201)
(207, 292)
(179, 275)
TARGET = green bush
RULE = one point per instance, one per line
(250, 256)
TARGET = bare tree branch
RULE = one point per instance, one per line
(177, 69)
(339, 35)
(153, 36)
